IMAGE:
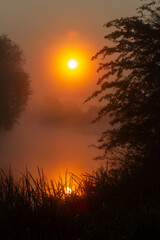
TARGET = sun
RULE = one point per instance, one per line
(72, 64)
(69, 67)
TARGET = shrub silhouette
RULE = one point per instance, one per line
(130, 92)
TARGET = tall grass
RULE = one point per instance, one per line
(37, 192)
(101, 205)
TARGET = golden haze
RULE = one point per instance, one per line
(63, 76)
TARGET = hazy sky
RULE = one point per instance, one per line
(39, 27)
(37, 24)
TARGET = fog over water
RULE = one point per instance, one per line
(54, 135)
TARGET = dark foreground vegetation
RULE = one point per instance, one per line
(103, 205)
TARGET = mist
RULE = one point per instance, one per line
(55, 136)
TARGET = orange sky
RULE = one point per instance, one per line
(56, 58)
(40, 25)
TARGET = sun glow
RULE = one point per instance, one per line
(72, 64)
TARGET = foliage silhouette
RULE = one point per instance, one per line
(14, 83)
(130, 90)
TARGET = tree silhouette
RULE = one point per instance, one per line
(129, 88)
(14, 83)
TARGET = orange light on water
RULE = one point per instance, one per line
(67, 190)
